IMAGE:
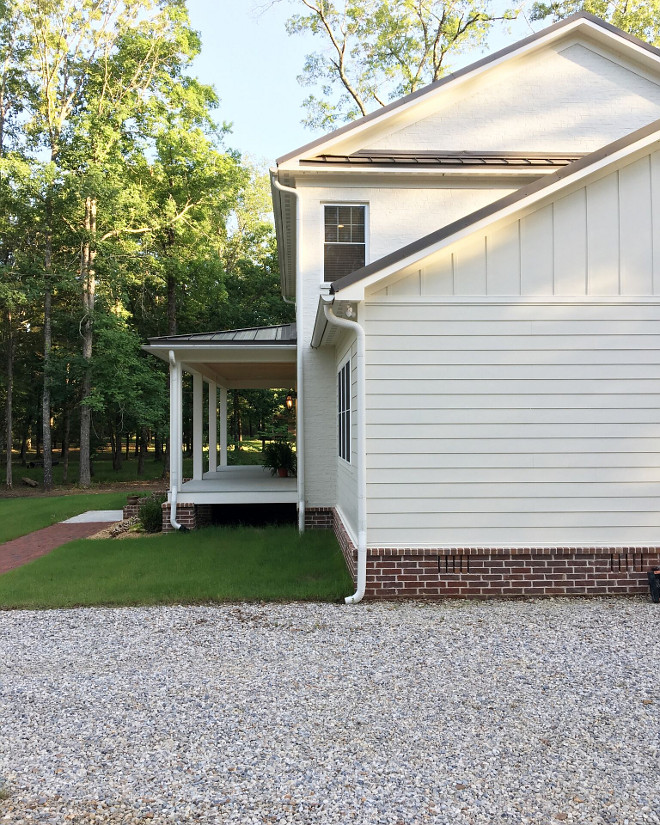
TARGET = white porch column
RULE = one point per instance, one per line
(198, 420)
(213, 426)
(176, 417)
(223, 426)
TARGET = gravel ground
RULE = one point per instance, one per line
(463, 712)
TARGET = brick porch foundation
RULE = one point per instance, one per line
(491, 572)
(191, 516)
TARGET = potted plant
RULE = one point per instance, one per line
(279, 458)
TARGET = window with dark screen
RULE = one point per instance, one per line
(344, 247)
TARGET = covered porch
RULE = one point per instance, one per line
(255, 358)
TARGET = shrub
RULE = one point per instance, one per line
(278, 455)
(150, 514)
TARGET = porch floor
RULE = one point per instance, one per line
(239, 485)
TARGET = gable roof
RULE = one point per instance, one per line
(504, 207)
(581, 19)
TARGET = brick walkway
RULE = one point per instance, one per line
(26, 548)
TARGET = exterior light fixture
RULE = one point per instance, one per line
(290, 401)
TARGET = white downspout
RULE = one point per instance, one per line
(175, 418)
(300, 431)
(361, 452)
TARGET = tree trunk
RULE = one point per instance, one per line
(65, 444)
(158, 448)
(24, 442)
(128, 446)
(142, 455)
(9, 481)
(45, 399)
(88, 279)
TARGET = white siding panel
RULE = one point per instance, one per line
(603, 236)
(536, 253)
(636, 229)
(503, 261)
(570, 249)
(438, 278)
(470, 268)
(524, 424)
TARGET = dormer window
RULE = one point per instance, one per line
(344, 248)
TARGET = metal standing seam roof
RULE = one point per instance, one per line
(454, 160)
(493, 208)
(282, 334)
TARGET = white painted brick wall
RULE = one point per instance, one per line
(573, 100)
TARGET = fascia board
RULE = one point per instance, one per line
(356, 290)
(399, 110)
(205, 353)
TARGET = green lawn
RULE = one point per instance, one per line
(250, 453)
(19, 516)
(211, 565)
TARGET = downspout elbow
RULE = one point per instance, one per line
(173, 520)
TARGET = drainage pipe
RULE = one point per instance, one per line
(175, 430)
(361, 451)
(300, 431)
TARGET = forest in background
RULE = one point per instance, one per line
(122, 217)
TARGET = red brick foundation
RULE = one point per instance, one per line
(185, 515)
(492, 572)
(319, 518)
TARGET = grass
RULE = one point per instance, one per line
(212, 565)
(20, 516)
(250, 453)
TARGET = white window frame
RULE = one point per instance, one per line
(365, 204)
(344, 393)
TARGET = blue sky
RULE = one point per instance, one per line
(253, 64)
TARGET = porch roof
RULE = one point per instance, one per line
(251, 358)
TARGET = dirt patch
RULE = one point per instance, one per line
(122, 530)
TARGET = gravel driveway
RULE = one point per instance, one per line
(463, 712)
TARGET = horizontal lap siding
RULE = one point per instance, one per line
(493, 424)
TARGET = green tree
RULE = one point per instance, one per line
(378, 50)
(641, 18)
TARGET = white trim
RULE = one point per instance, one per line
(213, 426)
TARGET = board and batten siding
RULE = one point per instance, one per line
(347, 472)
(531, 423)
(600, 239)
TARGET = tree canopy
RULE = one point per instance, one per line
(122, 216)
(374, 51)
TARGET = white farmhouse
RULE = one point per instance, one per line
(476, 271)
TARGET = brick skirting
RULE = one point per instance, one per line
(318, 518)
(491, 572)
